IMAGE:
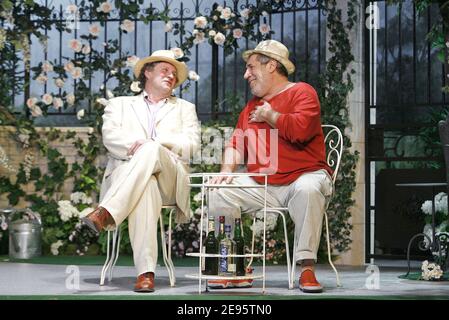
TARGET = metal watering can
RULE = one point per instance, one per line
(25, 238)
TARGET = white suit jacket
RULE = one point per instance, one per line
(177, 128)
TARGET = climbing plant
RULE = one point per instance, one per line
(222, 26)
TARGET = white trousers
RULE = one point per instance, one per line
(139, 189)
(305, 198)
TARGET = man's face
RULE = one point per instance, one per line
(258, 76)
(162, 78)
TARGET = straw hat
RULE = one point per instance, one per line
(275, 50)
(164, 56)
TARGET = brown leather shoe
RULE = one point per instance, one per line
(145, 282)
(99, 219)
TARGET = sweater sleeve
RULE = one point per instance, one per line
(302, 123)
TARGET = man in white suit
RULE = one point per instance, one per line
(149, 137)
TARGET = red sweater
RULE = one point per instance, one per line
(300, 137)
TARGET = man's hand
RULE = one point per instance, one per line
(264, 113)
(220, 179)
(260, 113)
(135, 146)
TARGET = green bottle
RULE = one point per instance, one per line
(239, 248)
(211, 244)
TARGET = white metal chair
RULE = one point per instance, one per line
(112, 250)
(333, 140)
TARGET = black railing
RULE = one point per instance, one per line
(300, 24)
(401, 124)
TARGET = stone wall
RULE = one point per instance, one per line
(16, 155)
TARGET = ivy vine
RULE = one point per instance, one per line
(223, 26)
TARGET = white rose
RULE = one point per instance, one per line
(75, 45)
(86, 49)
(427, 207)
(219, 8)
(178, 52)
(168, 27)
(135, 86)
(54, 248)
(237, 33)
(36, 111)
(47, 66)
(69, 66)
(219, 38)
(226, 13)
(109, 94)
(31, 102)
(127, 25)
(200, 22)
(264, 28)
(131, 61)
(77, 73)
(70, 98)
(80, 114)
(105, 7)
(41, 78)
(94, 29)
(71, 8)
(59, 82)
(193, 76)
(47, 99)
(57, 103)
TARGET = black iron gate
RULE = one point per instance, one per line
(300, 24)
(404, 102)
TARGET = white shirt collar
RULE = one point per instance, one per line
(160, 103)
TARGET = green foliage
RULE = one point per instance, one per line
(335, 86)
(47, 185)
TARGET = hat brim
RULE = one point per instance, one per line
(181, 68)
(289, 66)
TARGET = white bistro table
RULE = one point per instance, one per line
(205, 185)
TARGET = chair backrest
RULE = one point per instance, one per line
(333, 141)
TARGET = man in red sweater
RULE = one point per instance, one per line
(279, 133)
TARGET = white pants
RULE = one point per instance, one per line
(305, 198)
(139, 189)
